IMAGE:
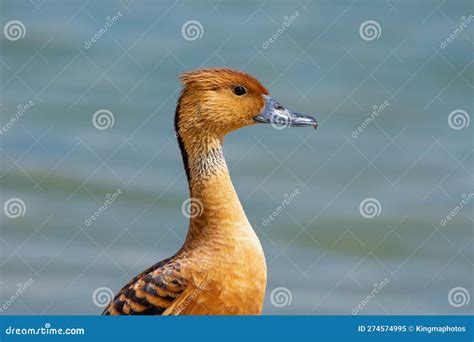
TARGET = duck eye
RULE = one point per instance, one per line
(239, 91)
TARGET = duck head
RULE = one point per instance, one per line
(217, 101)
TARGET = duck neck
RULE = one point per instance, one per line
(215, 210)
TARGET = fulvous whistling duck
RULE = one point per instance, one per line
(220, 269)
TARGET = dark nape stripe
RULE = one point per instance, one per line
(184, 154)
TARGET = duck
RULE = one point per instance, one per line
(220, 268)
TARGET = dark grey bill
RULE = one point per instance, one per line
(274, 113)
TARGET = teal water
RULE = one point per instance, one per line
(319, 247)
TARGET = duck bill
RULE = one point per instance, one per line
(277, 115)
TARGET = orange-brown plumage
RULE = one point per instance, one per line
(220, 269)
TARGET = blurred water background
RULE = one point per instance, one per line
(326, 255)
